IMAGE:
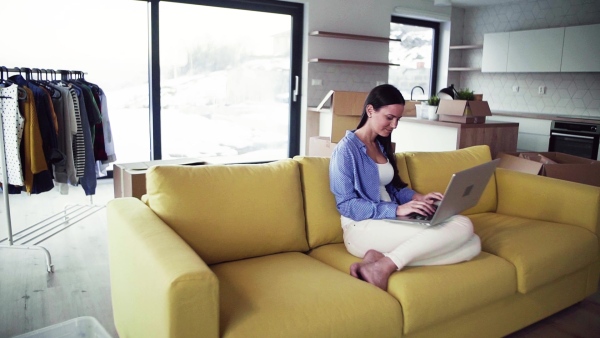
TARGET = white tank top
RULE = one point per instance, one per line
(386, 174)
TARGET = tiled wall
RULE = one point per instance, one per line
(344, 77)
(566, 94)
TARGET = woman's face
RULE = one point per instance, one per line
(385, 120)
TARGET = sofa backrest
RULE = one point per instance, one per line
(431, 171)
(231, 212)
(322, 218)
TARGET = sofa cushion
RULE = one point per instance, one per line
(323, 225)
(431, 171)
(246, 210)
(541, 251)
(293, 295)
(402, 168)
(433, 294)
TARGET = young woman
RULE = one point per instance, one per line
(364, 179)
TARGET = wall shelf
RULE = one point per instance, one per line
(354, 62)
(463, 69)
(466, 47)
(352, 36)
(462, 48)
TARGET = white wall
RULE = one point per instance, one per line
(360, 18)
(567, 93)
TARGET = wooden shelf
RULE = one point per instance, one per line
(463, 69)
(354, 62)
(352, 36)
(466, 47)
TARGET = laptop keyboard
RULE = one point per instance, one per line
(420, 217)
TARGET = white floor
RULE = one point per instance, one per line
(30, 297)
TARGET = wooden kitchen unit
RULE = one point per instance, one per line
(415, 134)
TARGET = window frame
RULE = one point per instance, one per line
(436, 45)
(295, 10)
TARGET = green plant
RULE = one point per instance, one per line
(433, 101)
(466, 94)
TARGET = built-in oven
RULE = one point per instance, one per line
(575, 138)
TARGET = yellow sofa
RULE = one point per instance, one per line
(256, 251)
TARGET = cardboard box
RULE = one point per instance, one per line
(346, 108)
(410, 108)
(129, 179)
(562, 166)
(320, 146)
(462, 111)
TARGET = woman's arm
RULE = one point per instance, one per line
(353, 191)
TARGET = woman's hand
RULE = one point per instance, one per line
(419, 207)
(420, 204)
(430, 198)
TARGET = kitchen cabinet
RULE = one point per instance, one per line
(460, 49)
(534, 134)
(495, 52)
(538, 50)
(335, 35)
(562, 49)
(581, 49)
(424, 135)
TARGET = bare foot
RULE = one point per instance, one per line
(354, 270)
(370, 257)
(377, 273)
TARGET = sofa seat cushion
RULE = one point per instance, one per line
(231, 212)
(541, 251)
(294, 295)
(431, 171)
(432, 294)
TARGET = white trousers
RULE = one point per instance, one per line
(414, 244)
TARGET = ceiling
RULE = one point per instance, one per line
(477, 3)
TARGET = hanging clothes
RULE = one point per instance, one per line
(63, 137)
(13, 124)
(109, 145)
(88, 181)
(32, 147)
(43, 181)
(64, 171)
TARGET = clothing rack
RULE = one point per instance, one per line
(54, 224)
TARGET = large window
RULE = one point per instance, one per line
(417, 55)
(225, 80)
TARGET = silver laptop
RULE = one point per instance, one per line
(463, 192)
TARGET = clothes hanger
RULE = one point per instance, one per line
(22, 94)
(54, 93)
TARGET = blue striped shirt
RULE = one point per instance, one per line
(354, 180)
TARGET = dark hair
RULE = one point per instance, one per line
(385, 95)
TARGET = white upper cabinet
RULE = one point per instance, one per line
(495, 52)
(538, 50)
(581, 51)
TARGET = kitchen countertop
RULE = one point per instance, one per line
(539, 116)
(573, 118)
(487, 124)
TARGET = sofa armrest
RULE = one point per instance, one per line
(160, 287)
(548, 199)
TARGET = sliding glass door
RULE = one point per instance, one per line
(228, 90)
